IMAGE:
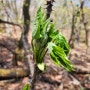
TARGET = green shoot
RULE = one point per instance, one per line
(46, 38)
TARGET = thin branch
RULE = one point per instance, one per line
(8, 48)
(5, 10)
(10, 23)
(23, 42)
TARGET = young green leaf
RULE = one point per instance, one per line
(36, 30)
(59, 57)
(60, 41)
(45, 37)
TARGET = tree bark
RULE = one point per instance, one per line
(23, 43)
(35, 77)
(84, 22)
(72, 37)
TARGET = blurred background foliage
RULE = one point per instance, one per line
(11, 10)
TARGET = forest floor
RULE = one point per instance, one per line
(54, 78)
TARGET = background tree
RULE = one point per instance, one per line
(84, 22)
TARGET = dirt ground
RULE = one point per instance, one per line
(54, 78)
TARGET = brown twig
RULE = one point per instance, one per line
(10, 23)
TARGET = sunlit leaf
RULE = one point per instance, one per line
(36, 30)
(46, 37)
(59, 57)
(41, 66)
(60, 41)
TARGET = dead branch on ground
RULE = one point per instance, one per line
(13, 73)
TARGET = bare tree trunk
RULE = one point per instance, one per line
(84, 22)
(72, 37)
(23, 43)
(74, 31)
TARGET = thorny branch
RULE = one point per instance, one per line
(49, 7)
